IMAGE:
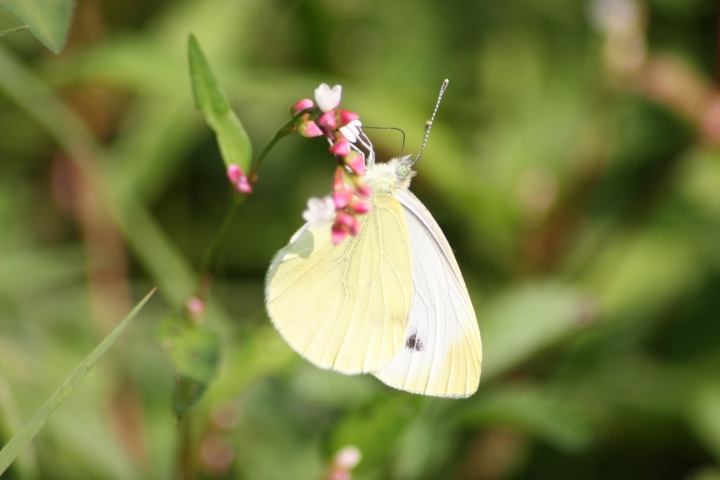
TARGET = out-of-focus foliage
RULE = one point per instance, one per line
(573, 165)
(47, 20)
(12, 449)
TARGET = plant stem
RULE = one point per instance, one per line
(185, 459)
(284, 131)
(207, 272)
(211, 259)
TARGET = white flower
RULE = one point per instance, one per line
(351, 131)
(320, 211)
(328, 98)
(348, 457)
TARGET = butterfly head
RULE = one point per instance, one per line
(390, 176)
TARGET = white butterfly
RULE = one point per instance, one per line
(391, 301)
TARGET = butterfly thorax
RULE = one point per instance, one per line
(390, 176)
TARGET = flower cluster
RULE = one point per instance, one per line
(342, 130)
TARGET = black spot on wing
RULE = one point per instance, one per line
(414, 343)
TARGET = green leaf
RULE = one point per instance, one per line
(193, 349)
(234, 142)
(707, 473)
(659, 260)
(377, 428)
(195, 352)
(534, 410)
(11, 451)
(425, 446)
(525, 320)
(48, 20)
(186, 395)
(704, 416)
(257, 354)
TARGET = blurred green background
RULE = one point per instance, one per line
(573, 165)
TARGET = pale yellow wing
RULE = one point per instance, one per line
(442, 354)
(346, 306)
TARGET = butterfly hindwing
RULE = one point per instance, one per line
(442, 352)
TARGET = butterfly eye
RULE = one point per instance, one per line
(403, 171)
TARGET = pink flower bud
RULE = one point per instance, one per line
(327, 120)
(348, 222)
(243, 186)
(355, 228)
(360, 207)
(339, 178)
(309, 129)
(195, 306)
(340, 148)
(346, 116)
(234, 173)
(303, 104)
(341, 198)
(238, 179)
(356, 162)
(338, 234)
(362, 189)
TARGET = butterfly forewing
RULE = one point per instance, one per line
(346, 306)
(442, 352)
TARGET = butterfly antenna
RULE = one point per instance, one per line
(402, 149)
(429, 123)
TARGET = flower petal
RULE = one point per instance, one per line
(340, 148)
(327, 120)
(320, 211)
(303, 104)
(328, 98)
(309, 129)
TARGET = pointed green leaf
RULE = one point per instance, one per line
(195, 352)
(48, 20)
(186, 394)
(11, 451)
(232, 138)
(193, 349)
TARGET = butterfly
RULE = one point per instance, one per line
(390, 301)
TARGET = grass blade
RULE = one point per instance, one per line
(13, 30)
(11, 451)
